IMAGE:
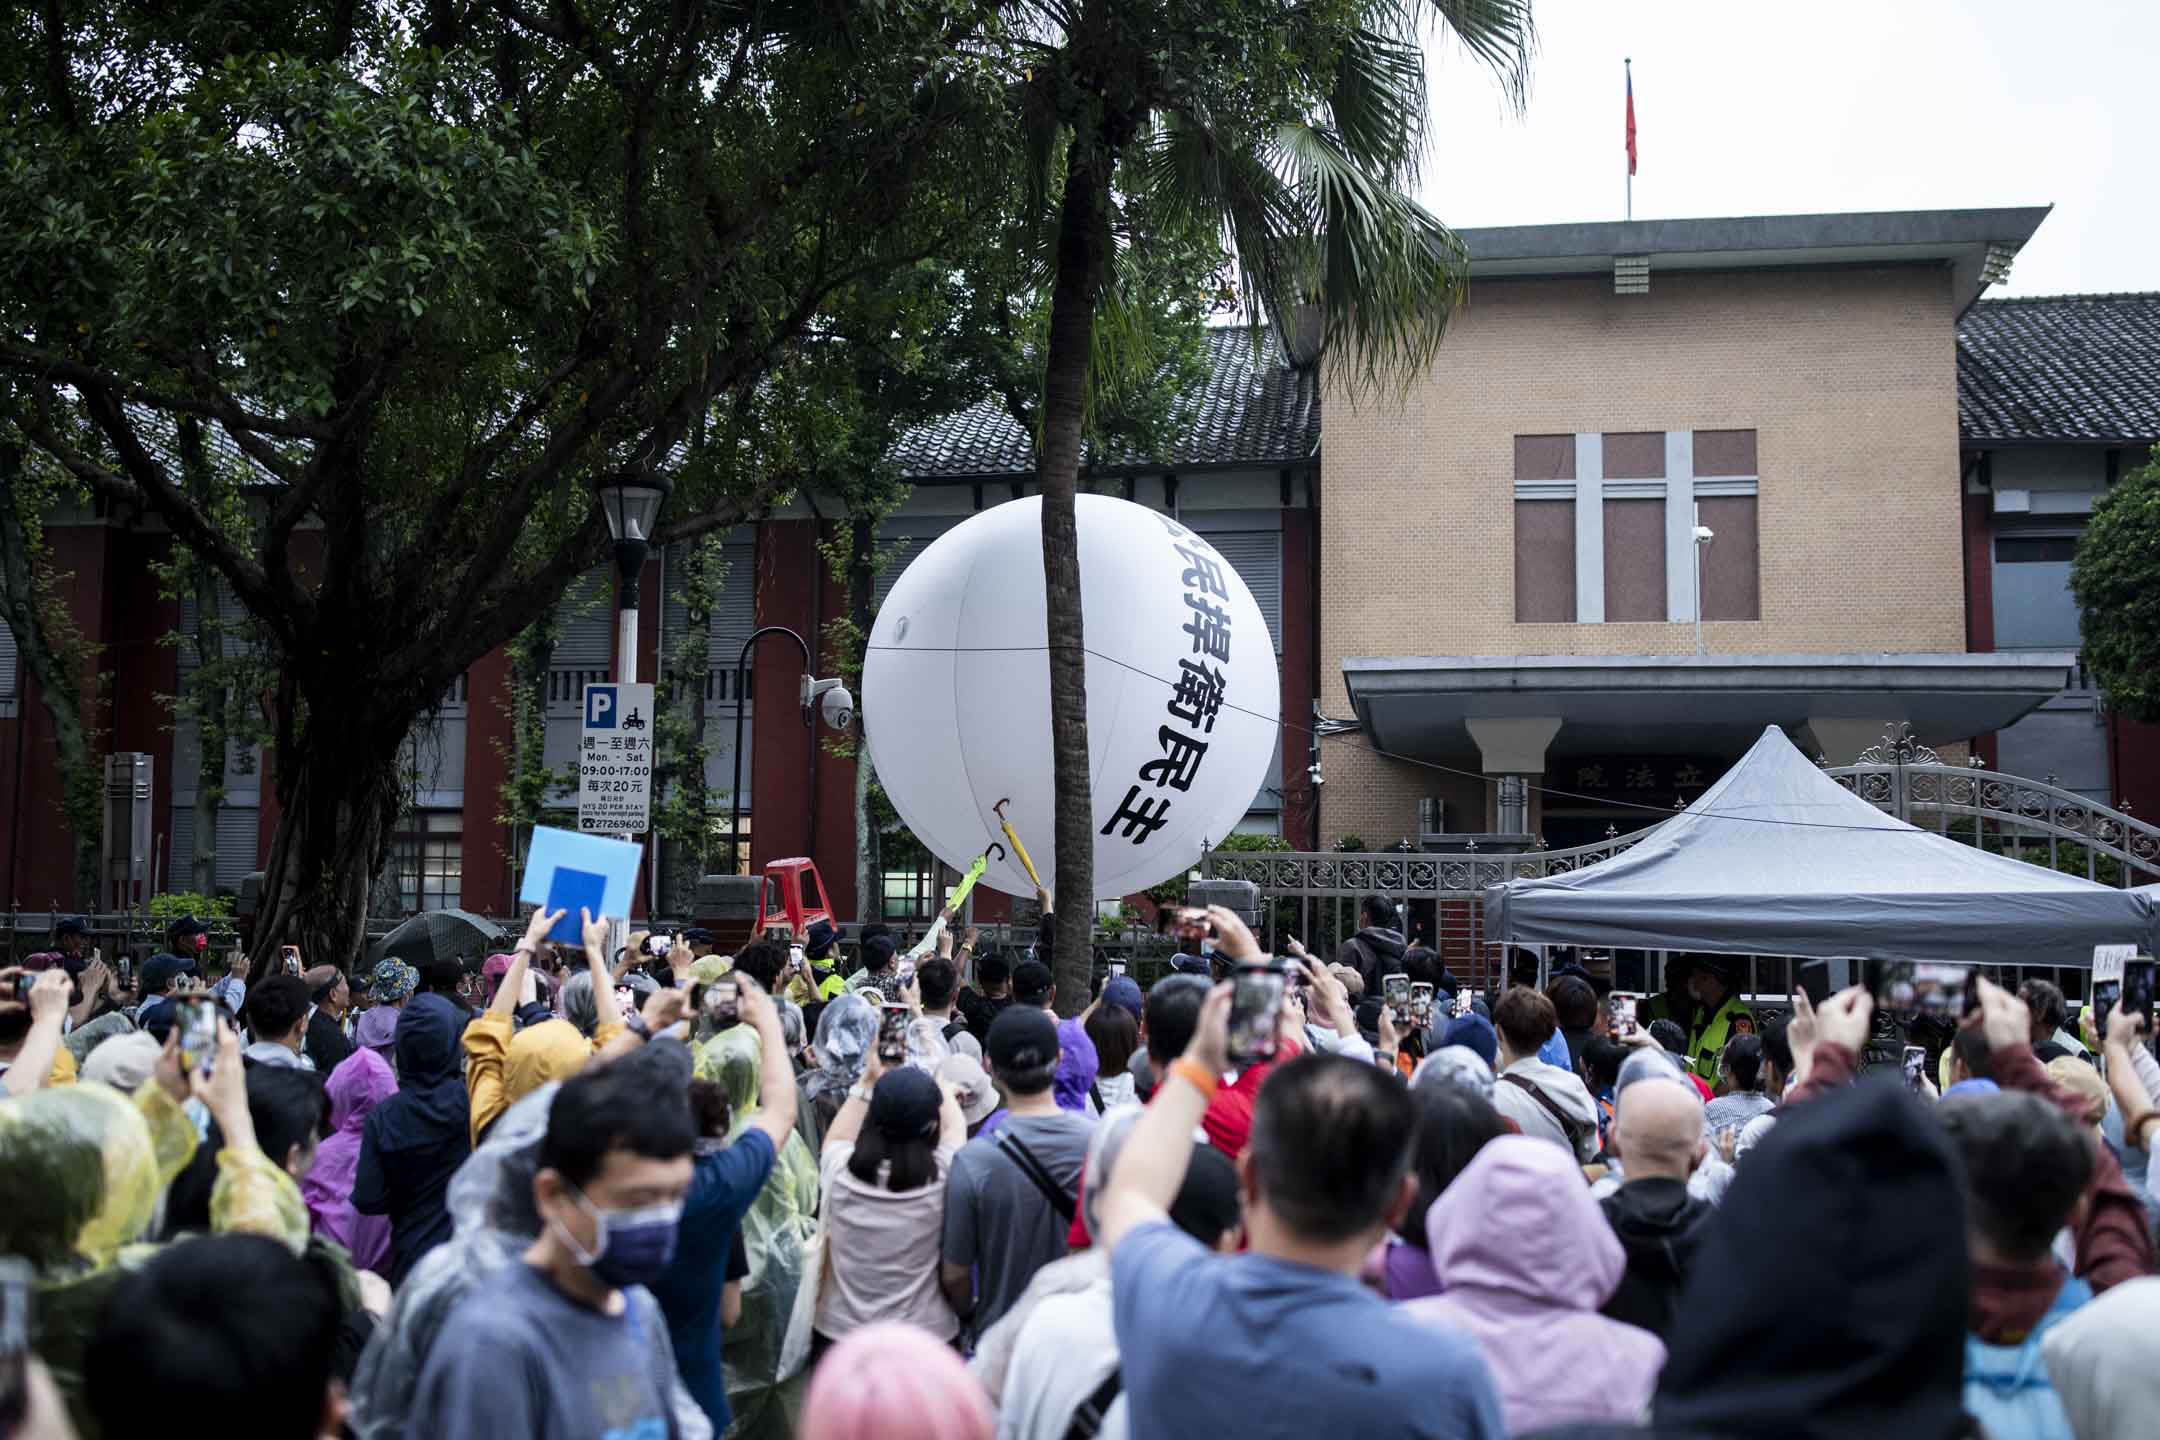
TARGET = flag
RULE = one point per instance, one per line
(1631, 122)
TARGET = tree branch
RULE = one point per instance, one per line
(28, 360)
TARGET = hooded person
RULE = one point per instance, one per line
(494, 1219)
(1378, 947)
(776, 1230)
(413, 1142)
(845, 1032)
(362, 1081)
(83, 1171)
(1829, 1297)
(1658, 1133)
(1528, 1260)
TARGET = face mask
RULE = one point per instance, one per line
(630, 1247)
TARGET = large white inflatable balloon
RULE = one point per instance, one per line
(1182, 696)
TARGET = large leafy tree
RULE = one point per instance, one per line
(1298, 131)
(2116, 579)
(433, 268)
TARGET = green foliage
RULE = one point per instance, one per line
(680, 814)
(212, 910)
(2116, 579)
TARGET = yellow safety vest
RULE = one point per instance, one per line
(1708, 1042)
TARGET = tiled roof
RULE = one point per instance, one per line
(2060, 367)
(1253, 410)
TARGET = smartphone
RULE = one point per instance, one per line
(1421, 1003)
(795, 956)
(198, 1035)
(125, 969)
(1117, 967)
(1395, 991)
(657, 946)
(625, 999)
(892, 1035)
(292, 958)
(2106, 995)
(723, 1000)
(24, 979)
(1622, 1009)
(17, 1289)
(1192, 929)
(1462, 1002)
(904, 973)
(1256, 1001)
(2137, 991)
(1813, 981)
(1915, 1067)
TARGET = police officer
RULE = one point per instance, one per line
(1720, 1014)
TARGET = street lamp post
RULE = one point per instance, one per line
(829, 696)
(631, 500)
(1703, 536)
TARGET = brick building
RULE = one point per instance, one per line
(1751, 421)
(1496, 576)
(1242, 473)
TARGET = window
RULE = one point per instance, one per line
(2034, 609)
(1605, 527)
(906, 892)
(428, 857)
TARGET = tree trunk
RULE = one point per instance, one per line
(339, 794)
(1082, 253)
(23, 606)
(209, 733)
(862, 590)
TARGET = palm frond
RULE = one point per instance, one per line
(1500, 33)
(1376, 102)
(1389, 274)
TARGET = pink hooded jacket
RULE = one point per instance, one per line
(361, 1081)
(1525, 1259)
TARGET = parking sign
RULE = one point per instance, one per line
(615, 760)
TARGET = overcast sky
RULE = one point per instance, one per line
(1746, 107)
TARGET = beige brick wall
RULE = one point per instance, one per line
(1847, 376)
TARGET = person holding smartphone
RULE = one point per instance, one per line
(32, 1007)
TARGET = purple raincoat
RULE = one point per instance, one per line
(361, 1081)
(1525, 1258)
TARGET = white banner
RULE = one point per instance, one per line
(615, 760)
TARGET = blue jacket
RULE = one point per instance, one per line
(2007, 1388)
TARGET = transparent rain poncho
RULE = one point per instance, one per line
(490, 1204)
(83, 1169)
(775, 1231)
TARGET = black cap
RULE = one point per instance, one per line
(819, 942)
(158, 971)
(71, 925)
(695, 935)
(1207, 1203)
(905, 1104)
(1032, 982)
(1021, 1038)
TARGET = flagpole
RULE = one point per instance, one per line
(1627, 65)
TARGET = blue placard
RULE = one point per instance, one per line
(566, 870)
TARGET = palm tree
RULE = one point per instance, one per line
(1298, 130)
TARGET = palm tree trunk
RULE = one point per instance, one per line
(1083, 245)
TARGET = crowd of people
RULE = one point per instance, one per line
(841, 1191)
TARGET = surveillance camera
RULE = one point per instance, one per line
(1315, 775)
(1704, 532)
(839, 708)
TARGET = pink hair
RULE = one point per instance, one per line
(894, 1382)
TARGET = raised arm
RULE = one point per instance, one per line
(776, 1073)
(1159, 1149)
(48, 1007)
(606, 1011)
(505, 1002)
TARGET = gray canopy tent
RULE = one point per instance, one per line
(1777, 858)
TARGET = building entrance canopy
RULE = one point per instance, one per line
(1429, 707)
(1777, 858)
